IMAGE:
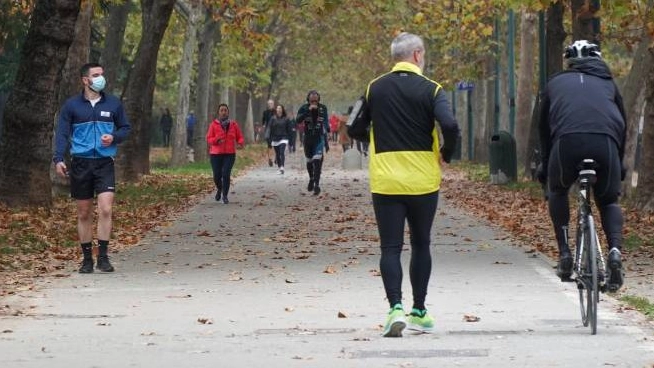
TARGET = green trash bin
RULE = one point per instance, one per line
(503, 162)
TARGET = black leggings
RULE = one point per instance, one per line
(391, 211)
(567, 153)
(280, 156)
(222, 165)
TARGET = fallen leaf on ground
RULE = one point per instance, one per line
(205, 321)
(471, 318)
(330, 269)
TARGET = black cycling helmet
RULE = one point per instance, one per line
(581, 49)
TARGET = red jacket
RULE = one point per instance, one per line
(221, 142)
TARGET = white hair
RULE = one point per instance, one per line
(404, 44)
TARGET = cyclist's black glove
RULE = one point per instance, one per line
(541, 173)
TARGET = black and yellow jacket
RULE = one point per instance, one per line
(407, 114)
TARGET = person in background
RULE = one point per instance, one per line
(344, 139)
(190, 127)
(166, 124)
(223, 137)
(333, 127)
(402, 114)
(280, 131)
(293, 138)
(316, 129)
(92, 124)
(265, 119)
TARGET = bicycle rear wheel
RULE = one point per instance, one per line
(593, 291)
(587, 281)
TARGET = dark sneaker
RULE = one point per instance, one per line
(104, 265)
(87, 266)
(225, 200)
(616, 275)
(316, 190)
(217, 196)
(310, 186)
(564, 268)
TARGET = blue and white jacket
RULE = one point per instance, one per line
(81, 125)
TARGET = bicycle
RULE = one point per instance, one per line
(589, 266)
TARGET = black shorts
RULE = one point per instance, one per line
(90, 176)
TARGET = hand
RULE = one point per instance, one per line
(313, 107)
(106, 140)
(239, 145)
(61, 169)
(541, 173)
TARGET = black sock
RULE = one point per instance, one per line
(102, 248)
(87, 250)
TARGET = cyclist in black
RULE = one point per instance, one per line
(582, 116)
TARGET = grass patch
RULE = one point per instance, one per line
(475, 172)
(632, 242)
(641, 304)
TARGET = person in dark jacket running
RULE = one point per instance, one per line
(280, 133)
(316, 129)
(582, 117)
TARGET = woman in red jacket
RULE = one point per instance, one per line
(223, 137)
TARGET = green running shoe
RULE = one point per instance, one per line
(420, 320)
(395, 322)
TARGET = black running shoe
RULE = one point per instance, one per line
(225, 200)
(316, 190)
(616, 275)
(104, 265)
(217, 195)
(310, 186)
(564, 268)
(87, 266)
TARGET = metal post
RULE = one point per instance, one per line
(542, 49)
(471, 144)
(511, 51)
(496, 37)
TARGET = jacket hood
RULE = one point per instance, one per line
(592, 66)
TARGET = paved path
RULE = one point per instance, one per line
(235, 286)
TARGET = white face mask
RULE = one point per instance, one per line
(98, 83)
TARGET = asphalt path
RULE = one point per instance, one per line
(282, 278)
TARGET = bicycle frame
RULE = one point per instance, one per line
(590, 268)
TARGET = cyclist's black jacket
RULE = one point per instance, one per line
(582, 99)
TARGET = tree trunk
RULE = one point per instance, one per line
(240, 109)
(524, 103)
(78, 55)
(208, 37)
(133, 156)
(633, 92)
(26, 143)
(584, 22)
(113, 43)
(553, 63)
(644, 197)
(248, 123)
(555, 37)
(179, 156)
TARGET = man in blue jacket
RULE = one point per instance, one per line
(582, 117)
(91, 124)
